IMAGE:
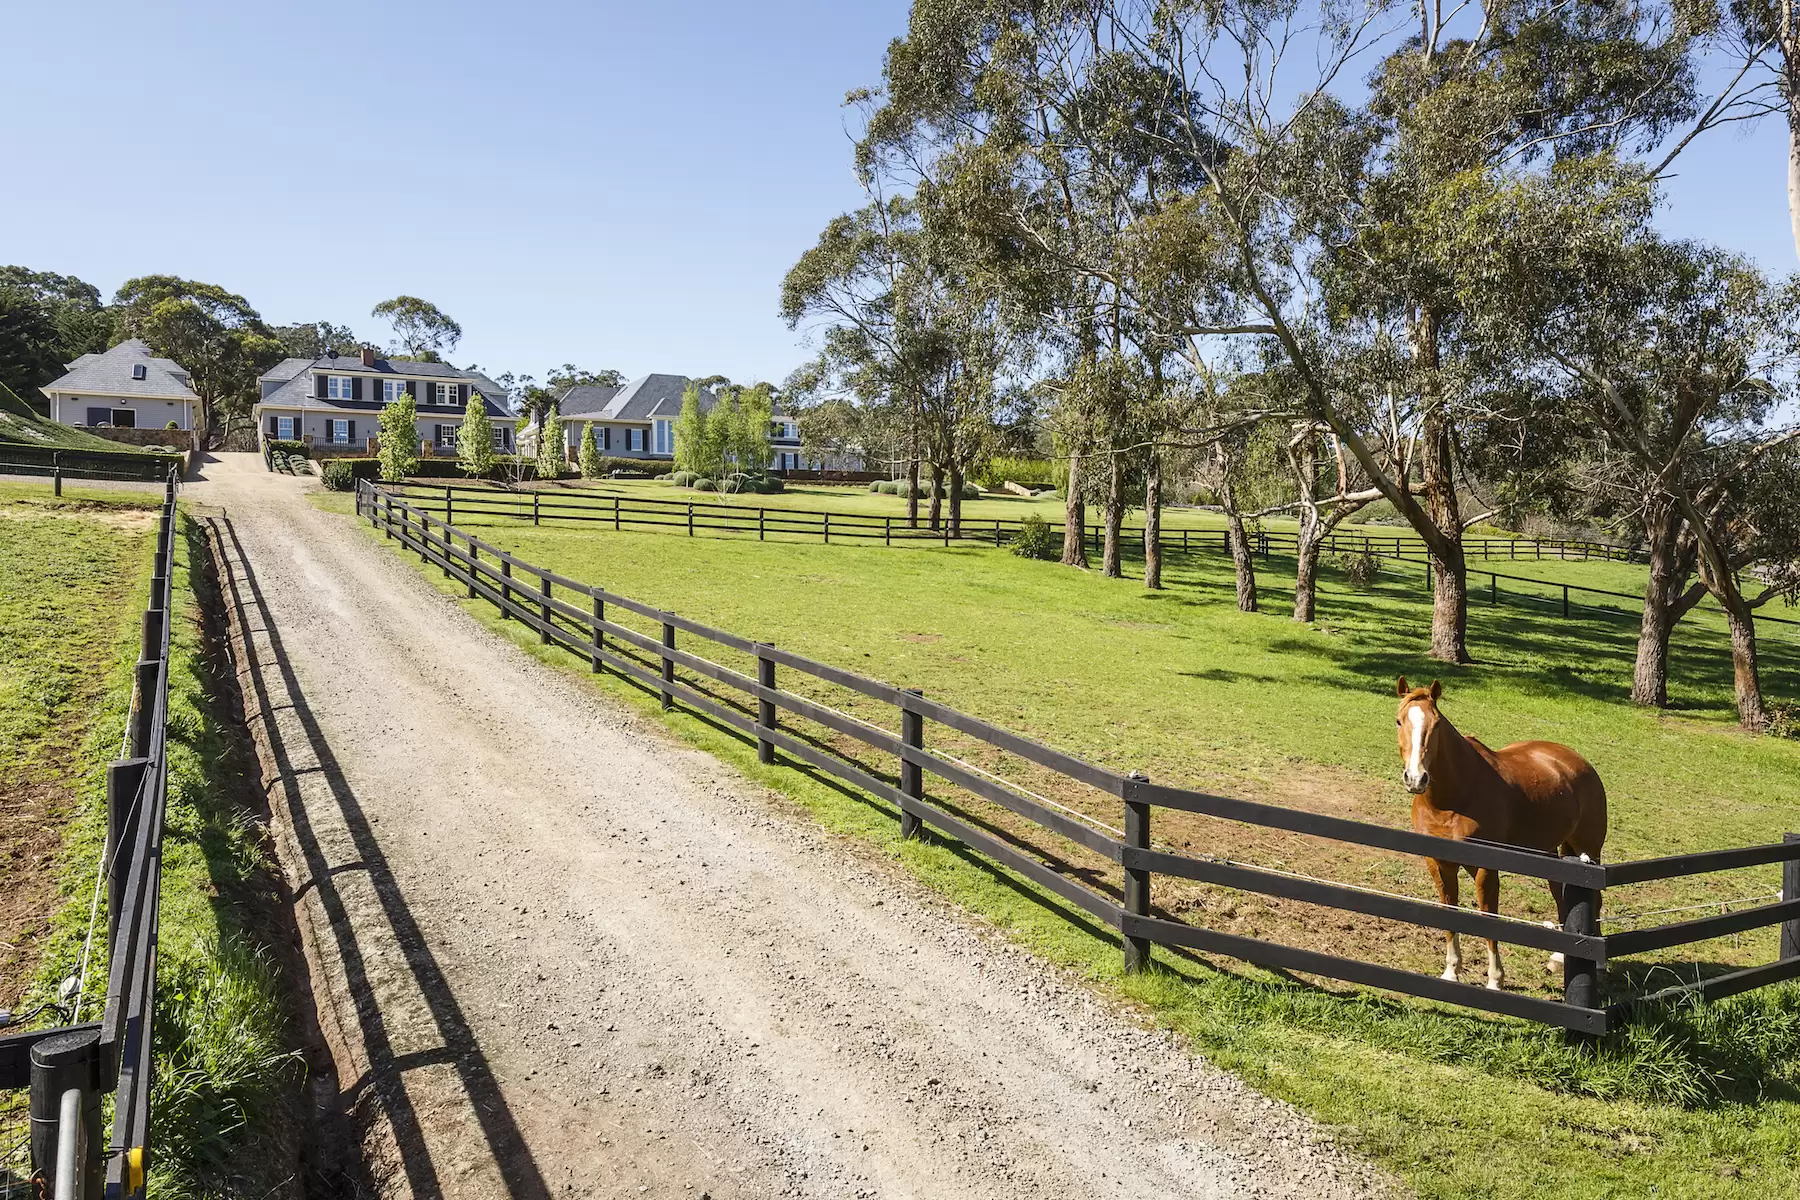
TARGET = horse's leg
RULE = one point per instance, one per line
(1444, 875)
(1556, 894)
(1487, 893)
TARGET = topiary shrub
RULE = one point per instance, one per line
(341, 474)
(703, 484)
(1035, 539)
(683, 478)
(875, 486)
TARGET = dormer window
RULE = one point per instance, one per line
(138, 370)
(446, 394)
(392, 390)
(337, 387)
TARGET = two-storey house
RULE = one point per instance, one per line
(334, 403)
(638, 420)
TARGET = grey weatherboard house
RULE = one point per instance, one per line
(334, 403)
(638, 420)
(126, 387)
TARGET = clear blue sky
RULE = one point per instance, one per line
(614, 184)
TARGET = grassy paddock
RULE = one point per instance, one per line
(226, 1092)
(1689, 1102)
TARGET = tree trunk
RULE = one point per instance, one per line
(912, 493)
(1650, 675)
(1746, 678)
(937, 495)
(1153, 521)
(1243, 562)
(1450, 593)
(1115, 516)
(1306, 564)
(1074, 517)
(1790, 77)
(956, 487)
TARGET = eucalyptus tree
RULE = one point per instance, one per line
(423, 330)
(215, 334)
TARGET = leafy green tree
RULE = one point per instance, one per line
(753, 453)
(550, 449)
(569, 375)
(590, 453)
(31, 345)
(694, 450)
(399, 450)
(475, 439)
(215, 334)
(724, 433)
(316, 339)
(424, 331)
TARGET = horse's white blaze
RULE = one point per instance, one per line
(1416, 715)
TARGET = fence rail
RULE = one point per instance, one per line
(703, 517)
(573, 614)
(69, 1069)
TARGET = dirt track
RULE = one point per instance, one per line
(558, 954)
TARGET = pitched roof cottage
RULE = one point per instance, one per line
(334, 403)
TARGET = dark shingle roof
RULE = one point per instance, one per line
(640, 400)
(109, 374)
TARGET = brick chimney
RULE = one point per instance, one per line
(368, 356)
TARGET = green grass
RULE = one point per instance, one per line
(1691, 1102)
(226, 1089)
(22, 425)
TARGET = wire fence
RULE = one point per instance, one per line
(60, 1076)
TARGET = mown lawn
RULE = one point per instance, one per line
(75, 584)
(1181, 685)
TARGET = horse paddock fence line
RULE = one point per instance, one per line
(574, 615)
(708, 518)
(69, 1069)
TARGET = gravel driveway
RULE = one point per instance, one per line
(557, 953)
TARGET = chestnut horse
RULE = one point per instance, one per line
(1538, 795)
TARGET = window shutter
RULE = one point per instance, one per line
(606, 436)
(412, 388)
(462, 394)
(319, 386)
(352, 433)
(356, 387)
(274, 427)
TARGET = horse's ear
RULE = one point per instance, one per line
(1437, 689)
(1400, 688)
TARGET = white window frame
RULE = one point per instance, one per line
(500, 438)
(440, 440)
(332, 427)
(444, 394)
(665, 437)
(392, 390)
(338, 387)
(284, 429)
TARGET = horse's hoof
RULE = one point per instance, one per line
(1496, 985)
(1449, 975)
(1555, 963)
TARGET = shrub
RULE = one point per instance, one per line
(399, 438)
(281, 447)
(1784, 719)
(682, 478)
(341, 474)
(1030, 472)
(1035, 539)
(1361, 568)
(171, 425)
(475, 439)
(703, 484)
(875, 486)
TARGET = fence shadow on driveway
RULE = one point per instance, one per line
(313, 761)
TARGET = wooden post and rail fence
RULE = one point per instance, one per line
(717, 518)
(573, 614)
(71, 1067)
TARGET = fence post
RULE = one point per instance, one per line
(61, 1063)
(544, 609)
(449, 506)
(1493, 589)
(124, 778)
(56, 478)
(1790, 890)
(505, 588)
(887, 531)
(1565, 588)
(1137, 880)
(474, 557)
(828, 529)
(534, 508)
(912, 775)
(145, 709)
(760, 524)
(765, 707)
(615, 501)
(599, 633)
(668, 668)
(424, 532)
(1581, 976)
(690, 518)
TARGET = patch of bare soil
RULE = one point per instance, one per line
(31, 831)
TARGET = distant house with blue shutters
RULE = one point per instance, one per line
(334, 403)
(637, 420)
